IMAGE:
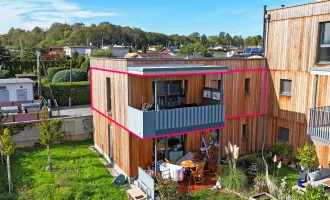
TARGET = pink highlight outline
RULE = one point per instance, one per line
(154, 137)
(263, 109)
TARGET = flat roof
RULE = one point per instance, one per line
(175, 69)
(320, 70)
(15, 81)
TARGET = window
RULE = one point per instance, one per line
(108, 88)
(286, 87)
(244, 132)
(247, 86)
(324, 43)
(283, 135)
(3, 88)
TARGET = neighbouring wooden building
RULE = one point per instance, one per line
(187, 107)
(297, 50)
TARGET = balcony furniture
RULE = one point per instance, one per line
(195, 163)
(197, 174)
(9, 109)
(321, 177)
(136, 194)
(188, 156)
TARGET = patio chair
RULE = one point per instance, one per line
(197, 175)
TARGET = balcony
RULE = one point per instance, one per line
(147, 124)
(319, 124)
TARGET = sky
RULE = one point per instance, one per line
(240, 17)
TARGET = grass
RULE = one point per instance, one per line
(292, 175)
(77, 173)
(212, 195)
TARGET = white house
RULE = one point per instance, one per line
(82, 50)
(117, 51)
(15, 89)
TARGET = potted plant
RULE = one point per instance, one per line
(294, 160)
(277, 149)
(287, 153)
(307, 159)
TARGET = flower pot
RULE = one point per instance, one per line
(293, 166)
(278, 158)
(286, 161)
(263, 195)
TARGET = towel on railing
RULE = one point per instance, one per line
(171, 171)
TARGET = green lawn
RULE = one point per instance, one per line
(292, 175)
(77, 174)
(211, 195)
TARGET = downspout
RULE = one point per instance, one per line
(264, 28)
(220, 130)
(156, 109)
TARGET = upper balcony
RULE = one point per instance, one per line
(319, 124)
(172, 99)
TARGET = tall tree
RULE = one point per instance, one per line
(204, 40)
(2, 127)
(195, 49)
(29, 52)
(49, 132)
(8, 146)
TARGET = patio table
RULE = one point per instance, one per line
(193, 163)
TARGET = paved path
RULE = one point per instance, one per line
(74, 111)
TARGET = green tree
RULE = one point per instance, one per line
(2, 127)
(159, 48)
(307, 156)
(204, 40)
(144, 49)
(49, 132)
(29, 52)
(107, 53)
(195, 49)
(8, 147)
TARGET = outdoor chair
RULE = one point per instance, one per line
(197, 175)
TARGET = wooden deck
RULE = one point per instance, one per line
(209, 182)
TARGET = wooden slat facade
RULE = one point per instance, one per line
(129, 151)
(293, 35)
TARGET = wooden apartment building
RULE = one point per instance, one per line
(188, 106)
(298, 50)
(285, 90)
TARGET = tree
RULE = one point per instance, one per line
(144, 49)
(49, 132)
(2, 126)
(195, 49)
(102, 53)
(159, 47)
(204, 40)
(8, 146)
(29, 52)
(307, 156)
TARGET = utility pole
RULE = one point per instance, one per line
(70, 81)
(38, 73)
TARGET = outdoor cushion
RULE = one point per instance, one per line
(188, 156)
(324, 173)
(314, 176)
(328, 170)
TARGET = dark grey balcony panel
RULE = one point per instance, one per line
(156, 123)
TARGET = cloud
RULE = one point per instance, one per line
(26, 14)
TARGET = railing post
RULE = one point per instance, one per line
(221, 113)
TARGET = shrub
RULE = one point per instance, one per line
(278, 148)
(82, 59)
(234, 179)
(288, 150)
(5, 74)
(85, 65)
(88, 75)
(64, 76)
(307, 156)
(79, 92)
(102, 53)
(52, 71)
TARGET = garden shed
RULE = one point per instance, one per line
(16, 89)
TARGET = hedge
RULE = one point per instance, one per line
(64, 76)
(52, 71)
(79, 92)
(5, 74)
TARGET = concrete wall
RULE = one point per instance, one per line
(21, 86)
(75, 128)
